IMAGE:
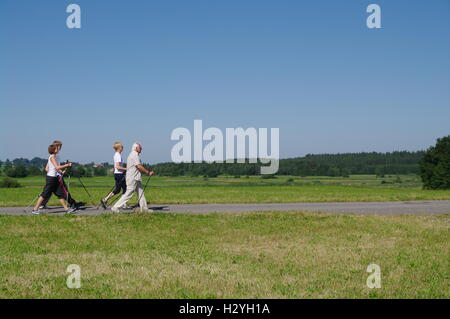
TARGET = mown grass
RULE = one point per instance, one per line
(189, 190)
(251, 255)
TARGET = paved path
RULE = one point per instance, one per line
(382, 208)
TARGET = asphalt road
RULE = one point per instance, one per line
(382, 208)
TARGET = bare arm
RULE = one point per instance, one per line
(57, 166)
(120, 168)
(144, 170)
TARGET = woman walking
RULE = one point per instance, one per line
(119, 174)
(52, 182)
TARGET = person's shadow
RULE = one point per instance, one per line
(60, 209)
(155, 208)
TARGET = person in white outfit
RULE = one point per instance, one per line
(119, 174)
(134, 180)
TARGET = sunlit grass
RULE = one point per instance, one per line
(251, 255)
(285, 189)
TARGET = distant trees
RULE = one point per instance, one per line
(35, 171)
(19, 171)
(435, 165)
(345, 164)
(100, 171)
(81, 171)
(310, 165)
(22, 171)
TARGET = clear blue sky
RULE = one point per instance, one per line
(138, 69)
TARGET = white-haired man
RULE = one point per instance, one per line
(134, 180)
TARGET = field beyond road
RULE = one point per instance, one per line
(254, 189)
(251, 255)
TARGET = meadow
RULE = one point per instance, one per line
(254, 189)
(229, 255)
(234, 255)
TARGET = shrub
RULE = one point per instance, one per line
(9, 183)
(345, 173)
(89, 172)
(79, 171)
(18, 171)
(34, 171)
(10, 172)
(100, 171)
(268, 176)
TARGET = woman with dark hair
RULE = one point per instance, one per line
(52, 182)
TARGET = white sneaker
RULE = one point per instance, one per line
(115, 210)
(71, 210)
(36, 212)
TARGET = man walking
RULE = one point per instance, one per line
(134, 180)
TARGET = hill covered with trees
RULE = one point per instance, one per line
(310, 165)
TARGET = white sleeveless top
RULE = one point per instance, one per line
(51, 168)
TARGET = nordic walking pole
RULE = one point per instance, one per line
(146, 183)
(115, 200)
(62, 184)
(90, 197)
(34, 199)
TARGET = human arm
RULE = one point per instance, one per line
(142, 169)
(58, 166)
(120, 168)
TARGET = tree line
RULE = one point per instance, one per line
(403, 162)
(344, 164)
(22, 167)
(433, 165)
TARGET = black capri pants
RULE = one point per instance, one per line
(53, 185)
(121, 184)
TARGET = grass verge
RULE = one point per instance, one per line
(244, 255)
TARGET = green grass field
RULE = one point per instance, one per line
(251, 255)
(191, 190)
(248, 255)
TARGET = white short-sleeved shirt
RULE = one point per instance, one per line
(133, 174)
(51, 168)
(118, 159)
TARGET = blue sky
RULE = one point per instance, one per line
(136, 70)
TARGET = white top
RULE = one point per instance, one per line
(133, 174)
(51, 168)
(118, 159)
